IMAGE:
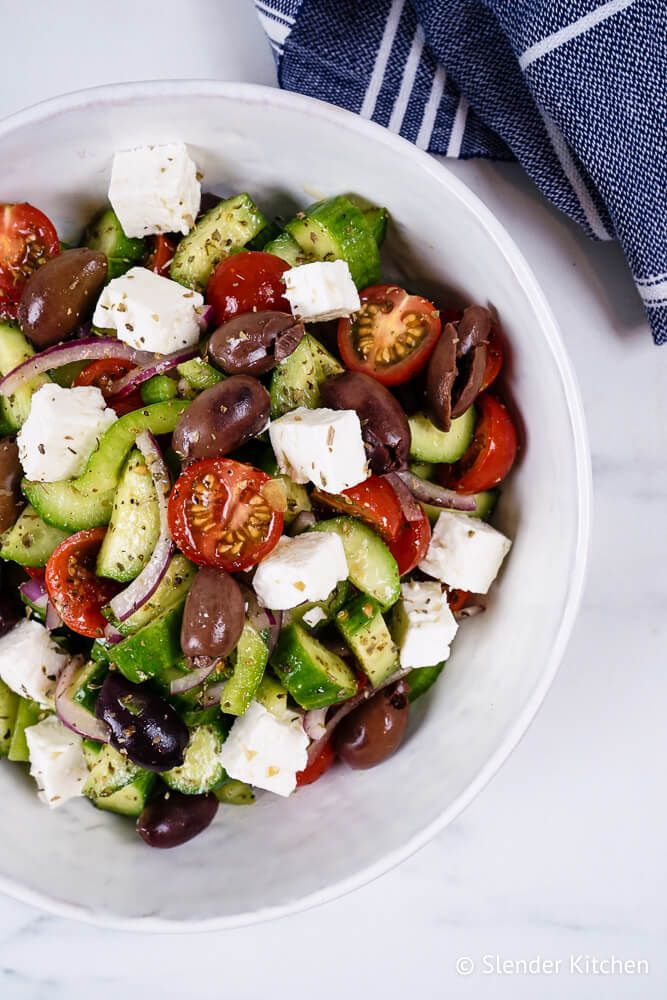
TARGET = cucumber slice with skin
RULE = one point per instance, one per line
(249, 661)
(235, 793)
(271, 231)
(201, 770)
(199, 374)
(134, 526)
(335, 229)
(365, 631)
(86, 684)
(429, 444)
(130, 800)
(114, 784)
(158, 389)
(333, 603)
(296, 381)
(14, 350)
(287, 248)
(105, 233)
(172, 590)
(28, 713)
(152, 650)
(218, 233)
(30, 541)
(314, 676)
(272, 695)
(377, 218)
(423, 678)
(372, 567)
(9, 704)
(87, 502)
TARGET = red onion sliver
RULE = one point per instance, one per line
(410, 508)
(212, 694)
(144, 586)
(112, 635)
(128, 383)
(263, 619)
(194, 677)
(34, 590)
(314, 722)
(53, 619)
(73, 715)
(436, 495)
(205, 316)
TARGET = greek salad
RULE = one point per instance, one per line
(245, 495)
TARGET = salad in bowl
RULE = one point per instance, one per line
(246, 491)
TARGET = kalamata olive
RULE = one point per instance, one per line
(253, 343)
(143, 725)
(473, 331)
(60, 294)
(10, 477)
(172, 818)
(440, 376)
(473, 328)
(10, 605)
(384, 426)
(374, 730)
(221, 419)
(214, 614)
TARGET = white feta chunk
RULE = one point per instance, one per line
(149, 312)
(313, 617)
(322, 446)
(56, 761)
(63, 428)
(424, 625)
(465, 552)
(321, 291)
(266, 751)
(300, 569)
(155, 189)
(30, 661)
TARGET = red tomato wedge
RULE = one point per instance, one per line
(391, 337)
(27, 239)
(162, 254)
(409, 548)
(373, 501)
(317, 767)
(220, 516)
(247, 282)
(103, 374)
(77, 594)
(491, 454)
(494, 362)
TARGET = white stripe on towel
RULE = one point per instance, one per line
(431, 109)
(276, 31)
(409, 74)
(273, 12)
(458, 128)
(653, 280)
(654, 293)
(382, 58)
(571, 31)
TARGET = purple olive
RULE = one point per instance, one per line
(221, 419)
(474, 330)
(143, 726)
(384, 426)
(172, 819)
(373, 731)
(253, 343)
(214, 614)
(440, 376)
(60, 295)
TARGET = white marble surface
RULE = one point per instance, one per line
(564, 853)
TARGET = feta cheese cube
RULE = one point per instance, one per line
(322, 446)
(465, 552)
(30, 661)
(321, 291)
(56, 761)
(266, 751)
(424, 625)
(149, 312)
(300, 569)
(63, 428)
(155, 189)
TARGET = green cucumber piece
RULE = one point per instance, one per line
(287, 248)
(130, 800)
(30, 541)
(425, 470)
(9, 704)
(199, 374)
(333, 603)
(249, 661)
(429, 444)
(134, 526)
(66, 375)
(158, 389)
(235, 793)
(296, 381)
(313, 675)
(114, 783)
(28, 713)
(271, 231)
(365, 631)
(372, 567)
(87, 502)
(152, 650)
(105, 233)
(172, 590)
(86, 684)
(335, 229)
(14, 350)
(423, 678)
(201, 770)
(485, 502)
(272, 695)
(377, 218)
(225, 228)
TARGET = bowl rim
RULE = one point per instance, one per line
(505, 245)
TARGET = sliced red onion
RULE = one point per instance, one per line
(205, 316)
(53, 619)
(128, 383)
(71, 713)
(263, 619)
(194, 677)
(314, 722)
(411, 509)
(211, 695)
(34, 590)
(436, 495)
(144, 586)
(112, 635)
(87, 349)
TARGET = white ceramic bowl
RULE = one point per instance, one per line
(283, 855)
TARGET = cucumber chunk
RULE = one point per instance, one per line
(152, 650)
(287, 248)
(201, 770)
(272, 695)
(235, 793)
(430, 444)
(158, 389)
(249, 661)
(14, 350)
(423, 678)
(134, 526)
(9, 704)
(365, 631)
(271, 231)
(377, 218)
(372, 567)
(328, 608)
(314, 676)
(87, 502)
(172, 590)
(105, 233)
(335, 229)
(199, 374)
(86, 684)
(218, 233)
(296, 381)
(30, 541)
(28, 713)
(114, 783)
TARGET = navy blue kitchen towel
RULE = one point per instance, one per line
(575, 90)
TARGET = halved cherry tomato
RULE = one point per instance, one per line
(490, 455)
(162, 254)
(219, 516)
(494, 362)
(391, 337)
(27, 239)
(77, 594)
(373, 501)
(247, 282)
(409, 548)
(34, 572)
(317, 767)
(457, 599)
(103, 374)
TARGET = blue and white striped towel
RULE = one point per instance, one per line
(576, 90)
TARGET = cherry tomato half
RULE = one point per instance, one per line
(27, 239)
(494, 362)
(374, 501)
(218, 515)
(317, 767)
(77, 594)
(457, 599)
(490, 455)
(247, 281)
(409, 548)
(103, 374)
(162, 254)
(391, 337)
